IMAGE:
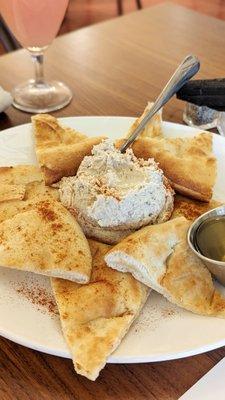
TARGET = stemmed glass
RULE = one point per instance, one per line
(35, 24)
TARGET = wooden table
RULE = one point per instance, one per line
(113, 69)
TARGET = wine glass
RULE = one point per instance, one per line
(35, 24)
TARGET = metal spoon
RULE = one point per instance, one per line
(185, 71)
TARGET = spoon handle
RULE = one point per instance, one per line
(185, 71)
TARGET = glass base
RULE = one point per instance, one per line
(200, 117)
(221, 123)
(42, 97)
(204, 127)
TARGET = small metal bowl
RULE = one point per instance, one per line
(212, 241)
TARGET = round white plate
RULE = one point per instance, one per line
(162, 331)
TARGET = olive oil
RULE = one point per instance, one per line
(210, 238)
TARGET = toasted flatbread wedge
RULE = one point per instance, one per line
(49, 133)
(159, 256)
(188, 163)
(45, 239)
(64, 160)
(96, 316)
(35, 191)
(20, 175)
(192, 209)
(154, 126)
(12, 192)
(14, 181)
(20, 187)
(59, 150)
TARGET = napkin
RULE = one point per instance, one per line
(210, 387)
(5, 99)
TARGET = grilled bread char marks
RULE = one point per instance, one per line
(59, 150)
(160, 257)
(95, 317)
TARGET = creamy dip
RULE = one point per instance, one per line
(116, 190)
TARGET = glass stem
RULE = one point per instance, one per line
(38, 59)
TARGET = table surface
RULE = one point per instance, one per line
(113, 68)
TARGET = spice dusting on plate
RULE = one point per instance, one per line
(38, 296)
(159, 310)
(167, 312)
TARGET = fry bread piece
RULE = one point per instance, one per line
(188, 163)
(96, 316)
(46, 240)
(154, 126)
(59, 150)
(159, 256)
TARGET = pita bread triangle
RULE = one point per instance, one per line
(41, 236)
(188, 163)
(12, 192)
(192, 209)
(95, 317)
(21, 187)
(13, 181)
(153, 127)
(49, 133)
(160, 257)
(35, 191)
(20, 175)
(59, 150)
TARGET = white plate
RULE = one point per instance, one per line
(162, 331)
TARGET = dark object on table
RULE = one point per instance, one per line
(6, 37)
(120, 6)
(204, 92)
